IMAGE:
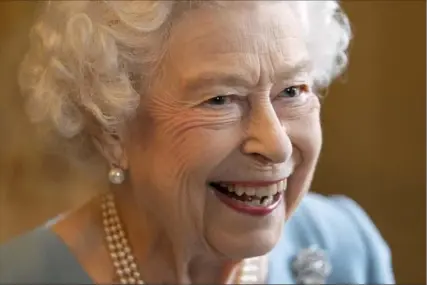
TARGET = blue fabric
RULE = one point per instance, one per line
(357, 252)
(40, 257)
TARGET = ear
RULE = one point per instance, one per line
(111, 147)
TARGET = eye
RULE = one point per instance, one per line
(293, 91)
(219, 100)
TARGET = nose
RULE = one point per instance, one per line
(267, 140)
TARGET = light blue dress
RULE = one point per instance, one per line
(351, 243)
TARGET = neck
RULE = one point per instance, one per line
(164, 259)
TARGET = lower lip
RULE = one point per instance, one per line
(248, 209)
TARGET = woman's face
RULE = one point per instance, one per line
(232, 105)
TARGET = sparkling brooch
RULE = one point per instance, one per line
(311, 266)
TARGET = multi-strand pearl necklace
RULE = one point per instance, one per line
(124, 262)
(118, 245)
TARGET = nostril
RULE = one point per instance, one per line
(261, 158)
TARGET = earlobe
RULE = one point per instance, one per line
(111, 148)
(124, 159)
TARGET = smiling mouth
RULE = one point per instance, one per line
(247, 198)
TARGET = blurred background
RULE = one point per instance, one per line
(374, 132)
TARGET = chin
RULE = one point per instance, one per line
(256, 243)
(235, 235)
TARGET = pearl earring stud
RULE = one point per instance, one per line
(116, 175)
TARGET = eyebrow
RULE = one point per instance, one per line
(289, 70)
(212, 78)
(215, 77)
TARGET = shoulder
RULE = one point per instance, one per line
(343, 230)
(332, 218)
(38, 256)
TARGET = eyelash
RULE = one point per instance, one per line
(300, 88)
(222, 100)
(218, 99)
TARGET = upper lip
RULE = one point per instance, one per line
(257, 183)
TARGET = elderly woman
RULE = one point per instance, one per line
(207, 115)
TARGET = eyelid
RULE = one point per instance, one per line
(303, 86)
(211, 91)
(302, 78)
(232, 97)
(236, 97)
(303, 89)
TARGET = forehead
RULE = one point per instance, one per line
(241, 37)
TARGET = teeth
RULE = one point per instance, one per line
(280, 186)
(239, 191)
(260, 202)
(254, 202)
(250, 191)
(257, 191)
(264, 195)
(267, 190)
(266, 201)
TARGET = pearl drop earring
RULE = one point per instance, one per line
(116, 175)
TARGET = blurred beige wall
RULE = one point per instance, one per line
(374, 132)
(32, 187)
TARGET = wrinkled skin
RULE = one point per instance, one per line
(182, 139)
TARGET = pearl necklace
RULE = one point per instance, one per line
(124, 261)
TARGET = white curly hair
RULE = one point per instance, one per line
(90, 61)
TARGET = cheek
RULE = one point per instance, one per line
(198, 150)
(302, 124)
(186, 146)
(306, 136)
